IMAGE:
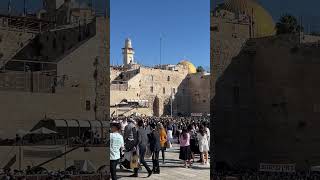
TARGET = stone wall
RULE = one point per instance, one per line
(267, 107)
(148, 84)
(199, 91)
(227, 39)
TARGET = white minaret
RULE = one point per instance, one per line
(128, 53)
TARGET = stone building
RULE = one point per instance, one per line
(232, 23)
(266, 105)
(65, 12)
(54, 75)
(160, 90)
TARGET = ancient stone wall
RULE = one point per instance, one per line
(199, 90)
(267, 105)
(228, 38)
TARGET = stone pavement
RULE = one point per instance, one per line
(172, 169)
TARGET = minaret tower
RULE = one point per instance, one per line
(128, 53)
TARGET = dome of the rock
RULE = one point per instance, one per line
(191, 68)
(263, 22)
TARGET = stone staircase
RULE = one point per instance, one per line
(11, 42)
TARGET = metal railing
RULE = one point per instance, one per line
(25, 24)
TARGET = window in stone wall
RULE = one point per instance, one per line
(214, 29)
(168, 79)
(174, 90)
(164, 90)
(88, 105)
(151, 89)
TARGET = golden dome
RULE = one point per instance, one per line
(191, 68)
(263, 22)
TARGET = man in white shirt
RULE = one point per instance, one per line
(116, 144)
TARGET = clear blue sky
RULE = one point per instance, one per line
(308, 10)
(184, 25)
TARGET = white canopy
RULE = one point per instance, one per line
(22, 132)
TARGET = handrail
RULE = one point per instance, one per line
(58, 156)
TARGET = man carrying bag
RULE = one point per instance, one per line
(142, 145)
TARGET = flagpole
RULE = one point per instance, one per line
(9, 7)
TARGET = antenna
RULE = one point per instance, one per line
(9, 7)
(300, 30)
(160, 47)
(24, 8)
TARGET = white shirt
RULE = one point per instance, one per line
(208, 131)
(123, 125)
(116, 142)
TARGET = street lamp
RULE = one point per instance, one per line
(171, 99)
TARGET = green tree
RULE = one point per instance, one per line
(288, 24)
(200, 69)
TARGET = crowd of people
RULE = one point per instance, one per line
(134, 138)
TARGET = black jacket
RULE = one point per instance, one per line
(154, 139)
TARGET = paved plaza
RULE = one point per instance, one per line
(172, 169)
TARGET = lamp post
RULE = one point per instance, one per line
(171, 99)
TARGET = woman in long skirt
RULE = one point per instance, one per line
(185, 151)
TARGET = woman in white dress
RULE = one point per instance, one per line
(203, 144)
